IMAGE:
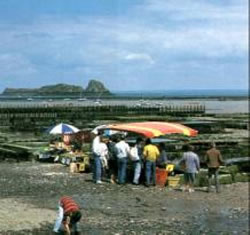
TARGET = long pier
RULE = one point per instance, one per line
(27, 116)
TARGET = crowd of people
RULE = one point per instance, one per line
(111, 156)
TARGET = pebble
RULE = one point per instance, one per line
(117, 214)
(138, 199)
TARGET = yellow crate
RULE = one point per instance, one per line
(173, 181)
(86, 160)
(81, 167)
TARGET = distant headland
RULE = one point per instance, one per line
(96, 89)
(93, 88)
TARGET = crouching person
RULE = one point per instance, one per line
(68, 216)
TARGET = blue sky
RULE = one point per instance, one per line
(126, 44)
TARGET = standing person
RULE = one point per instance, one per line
(103, 149)
(162, 160)
(97, 165)
(68, 216)
(122, 151)
(136, 157)
(150, 153)
(112, 161)
(192, 166)
(214, 160)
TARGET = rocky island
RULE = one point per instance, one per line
(94, 88)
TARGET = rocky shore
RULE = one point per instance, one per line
(29, 190)
(29, 193)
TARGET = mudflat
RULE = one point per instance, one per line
(29, 193)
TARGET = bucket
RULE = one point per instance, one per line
(161, 177)
(173, 181)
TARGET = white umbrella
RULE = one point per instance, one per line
(107, 132)
(63, 128)
(98, 128)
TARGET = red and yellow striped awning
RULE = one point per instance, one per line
(154, 129)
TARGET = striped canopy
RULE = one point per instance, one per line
(63, 128)
(154, 129)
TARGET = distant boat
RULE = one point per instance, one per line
(98, 102)
(82, 99)
(50, 100)
(67, 99)
(158, 104)
(142, 101)
(29, 99)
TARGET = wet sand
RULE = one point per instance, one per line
(29, 193)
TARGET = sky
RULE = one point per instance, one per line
(126, 44)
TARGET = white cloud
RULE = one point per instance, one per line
(234, 10)
(140, 57)
(162, 31)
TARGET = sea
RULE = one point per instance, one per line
(215, 101)
(198, 93)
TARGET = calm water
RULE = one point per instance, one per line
(212, 106)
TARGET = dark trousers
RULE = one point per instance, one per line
(213, 172)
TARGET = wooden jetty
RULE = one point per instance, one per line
(26, 117)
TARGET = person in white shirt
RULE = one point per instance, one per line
(103, 149)
(122, 153)
(136, 158)
(96, 142)
(97, 165)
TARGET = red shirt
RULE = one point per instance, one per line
(68, 205)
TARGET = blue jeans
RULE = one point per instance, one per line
(122, 168)
(150, 171)
(97, 169)
(137, 171)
